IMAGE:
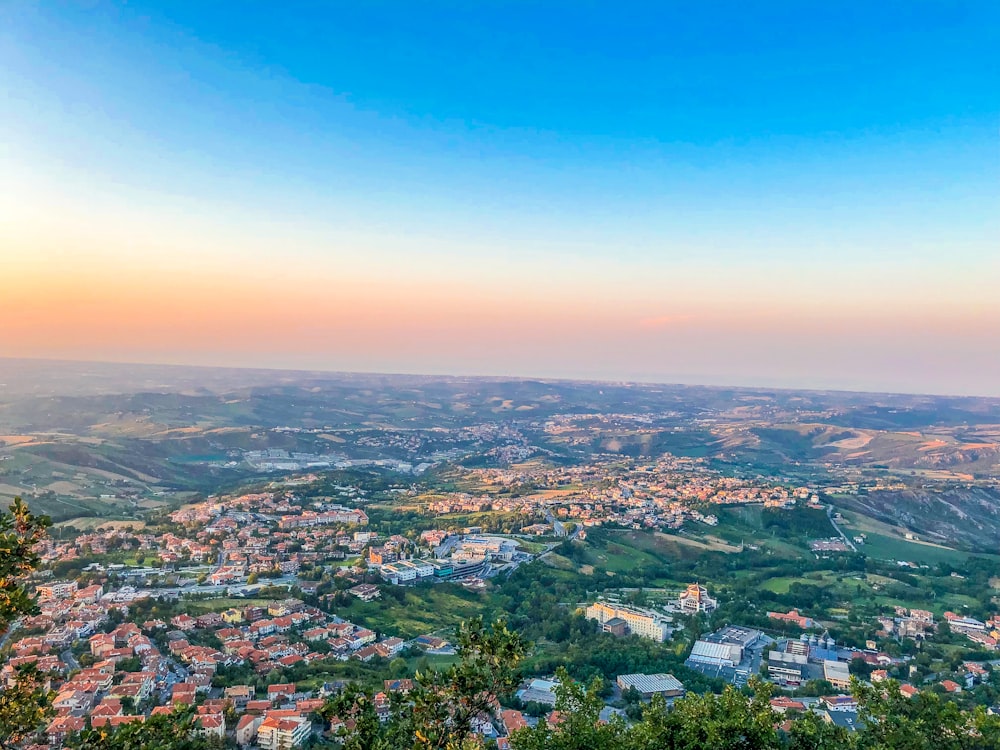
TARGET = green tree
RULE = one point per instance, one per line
(731, 721)
(927, 721)
(810, 732)
(577, 724)
(165, 732)
(20, 530)
(24, 705)
(398, 667)
(441, 710)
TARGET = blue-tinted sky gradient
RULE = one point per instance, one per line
(768, 193)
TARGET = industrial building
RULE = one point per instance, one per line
(786, 668)
(837, 674)
(732, 653)
(652, 684)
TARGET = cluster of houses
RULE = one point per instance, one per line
(168, 547)
(125, 676)
(259, 533)
(907, 623)
(985, 635)
(259, 637)
(664, 493)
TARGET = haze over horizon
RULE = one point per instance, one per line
(790, 197)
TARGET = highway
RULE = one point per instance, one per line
(848, 542)
(208, 588)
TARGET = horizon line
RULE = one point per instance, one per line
(509, 378)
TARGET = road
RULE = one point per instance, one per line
(69, 660)
(557, 526)
(848, 542)
(218, 562)
(10, 631)
(209, 588)
(446, 546)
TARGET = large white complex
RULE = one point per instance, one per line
(635, 621)
(716, 654)
(539, 691)
(495, 548)
(403, 571)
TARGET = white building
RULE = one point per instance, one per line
(837, 674)
(281, 730)
(639, 622)
(652, 684)
(716, 654)
(404, 571)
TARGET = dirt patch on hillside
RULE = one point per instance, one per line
(711, 543)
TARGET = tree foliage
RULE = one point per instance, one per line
(24, 707)
(744, 720)
(924, 722)
(25, 704)
(163, 732)
(20, 530)
(576, 723)
(441, 711)
(733, 720)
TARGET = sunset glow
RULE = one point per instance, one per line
(173, 189)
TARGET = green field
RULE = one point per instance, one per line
(782, 584)
(616, 557)
(559, 562)
(893, 548)
(425, 609)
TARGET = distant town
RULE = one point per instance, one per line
(661, 552)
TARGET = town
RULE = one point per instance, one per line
(240, 605)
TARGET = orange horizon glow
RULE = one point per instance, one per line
(166, 198)
(322, 320)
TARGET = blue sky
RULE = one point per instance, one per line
(810, 156)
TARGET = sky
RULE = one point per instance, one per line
(788, 194)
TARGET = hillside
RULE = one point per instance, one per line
(114, 440)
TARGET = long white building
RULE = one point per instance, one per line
(639, 622)
(403, 571)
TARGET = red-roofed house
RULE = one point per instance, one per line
(246, 729)
(282, 691)
(783, 703)
(210, 725)
(62, 726)
(282, 729)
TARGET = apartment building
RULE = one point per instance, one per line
(281, 730)
(638, 622)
